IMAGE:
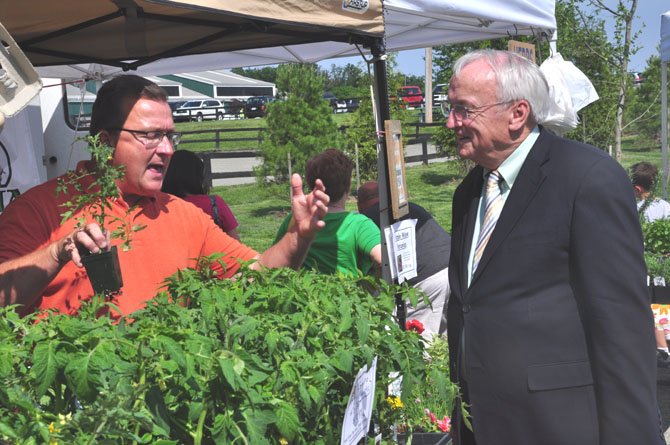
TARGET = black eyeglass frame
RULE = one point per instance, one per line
(465, 114)
(153, 141)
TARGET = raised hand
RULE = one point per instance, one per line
(308, 210)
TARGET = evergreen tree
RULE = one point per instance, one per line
(300, 126)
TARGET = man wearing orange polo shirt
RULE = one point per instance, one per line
(40, 266)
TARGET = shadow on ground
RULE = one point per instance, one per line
(276, 211)
(432, 178)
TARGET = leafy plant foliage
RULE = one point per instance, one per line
(268, 358)
(657, 248)
(94, 201)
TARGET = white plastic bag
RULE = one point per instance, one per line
(570, 90)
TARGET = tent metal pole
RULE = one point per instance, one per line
(383, 113)
(382, 105)
(664, 126)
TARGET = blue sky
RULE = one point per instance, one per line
(648, 12)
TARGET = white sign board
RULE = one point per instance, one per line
(359, 409)
(401, 246)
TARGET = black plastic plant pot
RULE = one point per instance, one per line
(425, 438)
(104, 271)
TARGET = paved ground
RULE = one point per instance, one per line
(247, 164)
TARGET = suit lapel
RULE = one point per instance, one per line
(463, 226)
(527, 184)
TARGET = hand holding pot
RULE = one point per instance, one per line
(89, 238)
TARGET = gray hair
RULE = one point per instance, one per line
(517, 78)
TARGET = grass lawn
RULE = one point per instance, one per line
(261, 209)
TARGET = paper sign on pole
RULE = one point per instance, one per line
(395, 154)
(359, 409)
(401, 246)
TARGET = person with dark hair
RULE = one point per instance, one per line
(644, 176)
(185, 178)
(433, 244)
(40, 263)
(350, 243)
(551, 336)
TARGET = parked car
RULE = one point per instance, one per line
(234, 109)
(177, 104)
(199, 110)
(440, 93)
(338, 105)
(256, 106)
(352, 104)
(638, 78)
(412, 96)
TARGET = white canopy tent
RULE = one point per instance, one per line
(665, 58)
(408, 24)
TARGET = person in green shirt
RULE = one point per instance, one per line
(350, 243)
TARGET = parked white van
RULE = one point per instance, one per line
(199, 110)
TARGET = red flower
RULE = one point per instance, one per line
(414, 325)
(445, 425)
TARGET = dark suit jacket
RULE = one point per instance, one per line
(558, 332)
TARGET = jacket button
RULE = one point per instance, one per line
(466, 308)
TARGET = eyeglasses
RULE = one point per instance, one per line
(463, 113)
(151, 139)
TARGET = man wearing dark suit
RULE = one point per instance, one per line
(550, 330)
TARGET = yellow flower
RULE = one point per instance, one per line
(394, 402)
(283, 441)
(52, 430)
(64, 419)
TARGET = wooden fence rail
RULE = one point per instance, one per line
(219, 137)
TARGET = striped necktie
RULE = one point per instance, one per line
(494, 203)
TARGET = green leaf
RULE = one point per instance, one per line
(304, 395)
(343, 360)
(257, 422)
(45, 365)
(287, 419)
(7, 431)
(271, 339)
(231, 367)
(362, 329)
(83, 372)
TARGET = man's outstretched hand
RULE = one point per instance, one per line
(308, 210)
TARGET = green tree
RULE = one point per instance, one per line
(617, 55)
(347, 81)
(583, 41)
(643, 114)
(266, 73)
(300, 126)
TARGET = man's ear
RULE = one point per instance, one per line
(520, 114)
(106, 138)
